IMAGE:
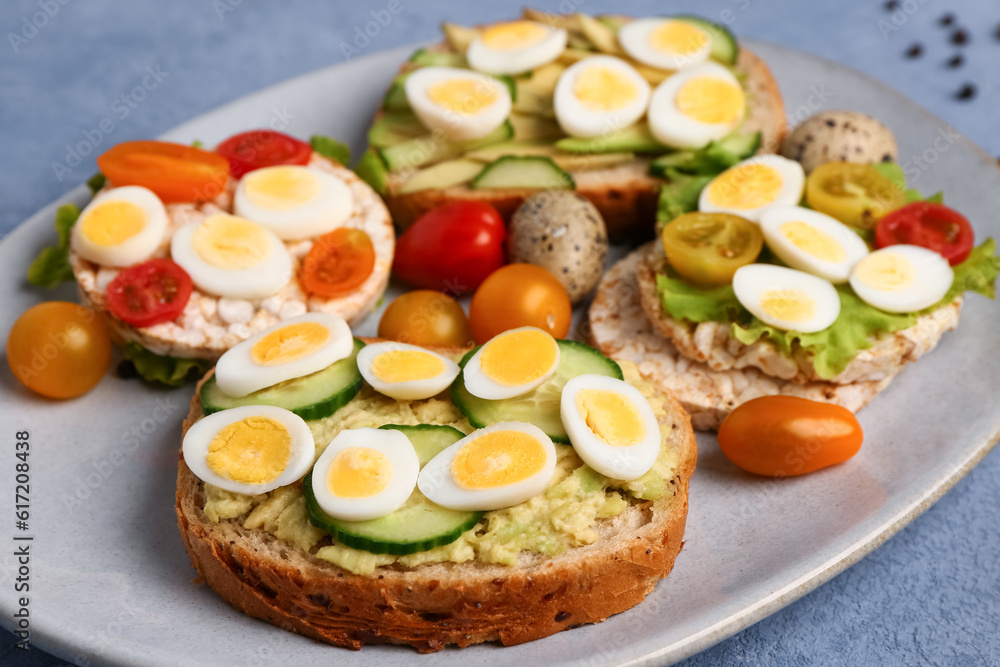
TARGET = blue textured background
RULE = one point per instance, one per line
(930, 595)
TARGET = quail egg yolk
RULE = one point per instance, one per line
(289, 343)
(231, 243)
(790, 305)
(885, 271)
(466, 96)
(280, 188)
(497, 459)
(406, 366)
(113, 222)
(745, 187)
(710, 100)
(604, 89)
(513, 35)
(359, 472)
(814, 242)
(255, 450)
(677, 37)
(518, 357)
(612, 417)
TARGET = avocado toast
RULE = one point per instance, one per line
(617, 170)
(585, 548)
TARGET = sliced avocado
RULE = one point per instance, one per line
(568, 22)
(586, 162)
(531, 127)
(426, 149)
(372, 171)
(724, 49)
(426, 58)
(534, 95)
(614, 23)
(459, 36)
(515, 147)
(600, 35)
(442, 175)
(572, 55)
(395, 97)
(567, 161)
(636, 139)
(395, 127)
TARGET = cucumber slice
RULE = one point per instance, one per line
(425, 149)
(636, 138)
(313, 396)
(523, 171)
(419, 524)
(428, 440)
(395, 97)
(743, 144)
(724, 48)
(541, 406)
(708, 161)
(395, 127)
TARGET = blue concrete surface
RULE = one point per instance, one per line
(931, 595)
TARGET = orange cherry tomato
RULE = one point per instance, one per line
(175, 172)
(426, 317)
(338, 263)
(58, 349)
(519, 295)
(781, 436)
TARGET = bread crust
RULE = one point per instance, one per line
(436, 605)
(626, 195)
(713, 344)
(621, 329)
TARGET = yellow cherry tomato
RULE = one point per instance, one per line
(707, 248)
(855, 194)
(426, 317)
(58, 349)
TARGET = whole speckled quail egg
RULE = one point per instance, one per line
(840, 136)
(564, 233)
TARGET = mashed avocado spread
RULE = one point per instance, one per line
(562, 517)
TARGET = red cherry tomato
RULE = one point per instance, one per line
(262, 148)
(149, 293)
(934, 226)
(338, 263)
(452, 248)
(781, 436)
(176, 173)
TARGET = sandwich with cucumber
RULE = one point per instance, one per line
(369, 491)
(603, 105)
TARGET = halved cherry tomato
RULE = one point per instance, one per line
(856, 194)
(426, 317)
(338, 263)
(176, 173)
(519, 295)
(934, 226)
(262, 148)
(781, 436)
(58, 349)
(707, 248)
(452, 248)
(153, 292)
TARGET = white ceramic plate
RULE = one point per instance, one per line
(111, 582)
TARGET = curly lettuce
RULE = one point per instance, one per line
(51, 267)
(161, 369)
(832, 349)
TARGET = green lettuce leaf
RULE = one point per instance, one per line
(51, 267)
(331, 148)
(679, 195)
(894, 173)
(833, 348)
(158, 368)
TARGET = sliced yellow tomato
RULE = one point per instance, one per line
(707, 248)
(855, 194)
